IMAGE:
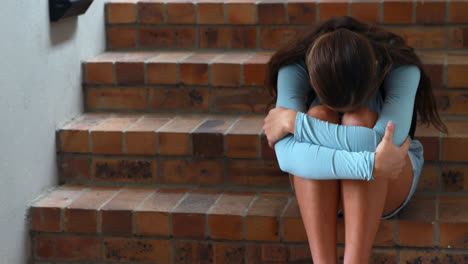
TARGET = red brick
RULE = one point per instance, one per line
(457, 70)
(225, 218)
(273, 37)
(194, 69)
(107, 137)
(253, 253)
(366, 11)
(301, 12)
(196, 171)
(416, 222)
(271, 12)
(407, 256)
(267, 152)
(430, 12)
(458, 37)
(122, 170)
(300, 253)
(423, 37)
(174, 138)
(331, 9)
(240, 100)
(99, 73)
(274, 252)
(208, 138)
(130, 69)
(179, 98)
(436, 75)
(117, 216)
(187, 252)
(163, 68)
(46, 213)
(255, 69)
(156, 209)
(256, 172)
(452, 102)
(165, 37)
(208, 171)
(67, 248)
(120, 13)
(132, 249)
(211, 12)
(225, 252)
(176, 171)
(242, 140)
(226, 69)
(130, 73)
(75, 168)
(293, 227)
(116, 98)
(150, 12)
(419, 208)
(180, 13)
(81, 215)
(397, 12)
(429, 179)
(453, 209)
(192, 210)
(140, 138)
(228, 37)
(263, 217)
(457, 11)
(431, 148)
(453, 235)
(415, 234)
(240, 13)
(453, 179)
(121, 37)
(383, 256)
(74, 137)
(455, 149)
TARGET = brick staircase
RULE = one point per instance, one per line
(169, 163)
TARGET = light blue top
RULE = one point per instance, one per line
(322, 150)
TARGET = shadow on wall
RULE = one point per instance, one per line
(63, 30)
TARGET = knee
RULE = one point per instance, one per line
(324, 113)
(362, 117)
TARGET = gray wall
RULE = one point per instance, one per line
(40, 90)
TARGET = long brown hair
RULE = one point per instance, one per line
(387, 47)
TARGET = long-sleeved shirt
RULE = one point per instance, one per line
(323, 150)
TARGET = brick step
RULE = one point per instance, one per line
(265, 24)
(173, 225)
(214, 150)
(223, 82)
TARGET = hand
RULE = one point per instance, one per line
(389, 158)
(278, 123)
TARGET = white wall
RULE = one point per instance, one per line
(40, 90)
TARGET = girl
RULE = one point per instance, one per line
(362, 87)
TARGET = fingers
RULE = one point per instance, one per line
(389, 132)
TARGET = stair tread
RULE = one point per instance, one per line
(193, 123)
(241, 57)
(217, 207)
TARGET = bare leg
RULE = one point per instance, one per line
(318, 203)
(364, 202)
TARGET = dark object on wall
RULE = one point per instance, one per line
(60, 9)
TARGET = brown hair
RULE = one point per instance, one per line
(344, 50)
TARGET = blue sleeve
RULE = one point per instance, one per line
(400, 86)
(310, 160)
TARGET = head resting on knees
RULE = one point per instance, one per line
(342, 69)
